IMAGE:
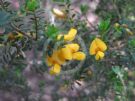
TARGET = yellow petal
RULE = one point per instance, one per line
(74, 47)
(55, 69)
(100, 44)
(99, 55)
(67, 54)
(60, 57)
(79, 56)
(58, 13)
(59, 37)
(71, 35)
(49, 61)
(93, 48)
(56, 57)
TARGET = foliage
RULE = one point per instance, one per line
(32, 33)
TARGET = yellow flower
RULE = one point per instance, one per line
(99, 55)
(70, 36)
(55, 69)
(73, 47)
(97, 48)
(58, 13)
(79, 56)
(129, 31)
(67, 54)
(58, 57)
(49, 61)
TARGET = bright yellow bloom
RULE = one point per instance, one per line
(70, 36)
(99, 55)
(58, 13)
(49, 61)
(79, 56)
(55, 69)
(67, 54)
(73, 47)
(56, 56)
(59, 57)
(97, 48)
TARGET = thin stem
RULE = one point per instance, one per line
(124, 93)
(90, 23)
(36, 26)
(18, 30)
(116, 8)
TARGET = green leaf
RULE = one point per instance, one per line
(131, 43)
(84, 8)
(116, 69)
(32, 5)
(104, 25)
(52, 31)
(41, 83)
(4, 18)
(58, 0)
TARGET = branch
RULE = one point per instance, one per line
(18, 30)
(36, 26)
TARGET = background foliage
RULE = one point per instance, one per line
(28, 28)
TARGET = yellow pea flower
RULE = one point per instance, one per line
(70, 36)
(73, 47)
(55, 69)
(67, 54)
(58, 13)
(97, 48)
(79, 56)
(99, 55)
(49, 61)
(58, 58)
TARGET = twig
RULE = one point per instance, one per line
(124, 93)
(18, 30)
(94, 28)
(116, 8)
(36, 26)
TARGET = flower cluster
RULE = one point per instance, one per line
(71, 51)
(97, 48)
(67, 53)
